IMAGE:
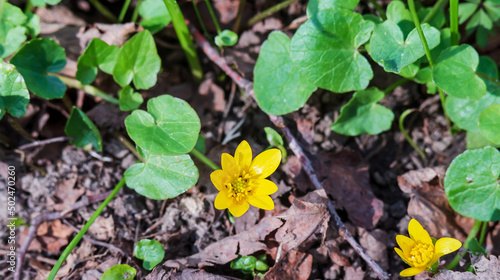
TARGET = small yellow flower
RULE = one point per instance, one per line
(242, 180)
(419, 252)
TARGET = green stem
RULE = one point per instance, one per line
(198, 16)
(454, 22)
(87, 88)
(123, 11)
(17, 127)
(197, 154)
(103, 10)
(379, 9)
(486, 77)
(473, 232)
(135, 15)
(269, 12)
(416, 21)
(214, 18)
(443, 100)
(439, 4)
(28, 6)
(82, 232)
(395, 85)
(407, 137)
(128, 145)
(184, 38)
(237, 21)
(484, 229)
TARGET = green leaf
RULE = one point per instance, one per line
(475, 247)
(318, 5)
(324, 49)
(83, 129)
(155, 15)
(489, 123)
(493, 9)
(119, 272)
(151, 251)
(475, 140)
(129, 100)
(389, 48)
(161, 177)
(138, 61)
(273, 137)
(244, 263)
(200, 144)
(226, 38)
(97, 54)
(35, 60)
(12, 33)
(261, 266)
(33, 24)
(362, 114)
(465, 11)
(424, 76)
(169, 127)
(279, 87)
(398, 13)
(472, 186)
(42, 3)
(437, 21)
(14, 96)
(455, 73)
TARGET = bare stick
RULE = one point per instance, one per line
(278, 121)
(45, 142)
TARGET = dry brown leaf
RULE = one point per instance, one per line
(294, 265)
(67, 192)
(103, 228)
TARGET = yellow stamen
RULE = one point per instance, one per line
(421, 254)
(239, 188)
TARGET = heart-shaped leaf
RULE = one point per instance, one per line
(119, 272)
(472, 184)
(279, 87)
(83, 129)
(151, 251)
(12, 33)
(161, 177)
(33, 24)
(138, 60)
(169, 127)
(489, 123)
(391, 50)
(317, 5)
(324, 49)
(37, 58)
(14, 95)
(475, 140)
(155, 15)
(362, 114)
(129, 100)
(455, 73)
(398, 13)
(97, 54)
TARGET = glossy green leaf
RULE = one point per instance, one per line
(245, 263)
(12, 33)
(33, 24)
(261, 266)
(325, 50)
(119, 272)
(318, 5)
(129, 100)
(155, 15)
(398, 13)
(273, 137)
(489, 123)
(475, 140)
(42, 3)
(14, 95)
(226, 38)
(200, 144)
(161, 177)
(97, 54)
(150, 251)
(476, 248)
(169, 127)
(455, 73)
(138, 60)
(83, 129)
(472, 184)
(362, 114)
(278, 85)
(391, 50)
(35, 60)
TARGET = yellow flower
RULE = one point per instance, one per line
(419, 252)
(242, 180)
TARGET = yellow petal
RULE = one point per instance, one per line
(222, 201)
(263, 202)
(239, 208)
(412, 271)
(243, 155)
(405, 243)
(264, 187)
(219, 178)
(418, 233)
(445, 246)
(229, 164)
(265, 163)
(401, 255)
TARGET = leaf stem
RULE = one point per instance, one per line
(486, 77)
(395, 85)
(28, 7)
(185, 39)
(198, 16)
(454, 22)
(135, 15)
(17, 127)
(123, 11)
(443, 100)
(103, 10)
(416, 21)
(269, 12)
(472, 233)
(379, 9)
(439, 4)
(74, 83)
(82, 232)
(212, 14)
(237, 21)
(484, 229)
(128, 145)
(407, 137)
(197, 154)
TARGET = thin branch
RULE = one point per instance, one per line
(278, 121)
(45, 142)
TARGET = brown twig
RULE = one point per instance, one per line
(44, 142)
(278, 121)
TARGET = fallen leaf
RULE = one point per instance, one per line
(66, 190)
(294, 265)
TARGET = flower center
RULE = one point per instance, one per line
(239, 188)
(421, 254)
